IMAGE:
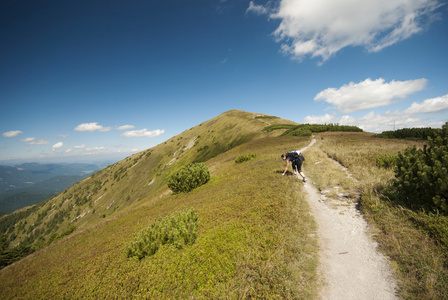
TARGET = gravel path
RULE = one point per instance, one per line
(351, 266)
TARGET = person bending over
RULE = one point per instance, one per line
(296, 158)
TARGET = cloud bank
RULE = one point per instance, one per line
(13, 133)
(429, 105)
(369, 94)
(417, 115)
(321, 28)
(91, 127)
(143, 133)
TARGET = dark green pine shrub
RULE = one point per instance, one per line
(411, 133)
(422, 175)
(178, 229)
(386, 161)
(245, 157)
(300, 132)
(189, 178)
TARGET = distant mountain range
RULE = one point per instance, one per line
(30, 183)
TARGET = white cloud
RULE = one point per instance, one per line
(369, 93)
(39, 142)
(143, 133)
(13, 133)
(68, 150)
(57, 146)
(429, 105)
(391, 120)
(91, 127)
(320, 28)
(96, 148)
(32, 141)
(80, 146)
(257, 9)
(330, 119)
(372, 122)
(27, 140)
(63, 135)
(125, 127)
(347, 120)
(325, 119)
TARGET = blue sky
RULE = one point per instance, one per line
(100, 80)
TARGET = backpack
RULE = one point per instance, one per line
(295, 154)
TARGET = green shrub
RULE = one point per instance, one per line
(299, 132)
(279, 126)
(386, 161)
(308, 129)
(8, 256)
(421, 175)
(266, 117)
(245, 157)
(189, 178)
(178, 229)
(411, 133)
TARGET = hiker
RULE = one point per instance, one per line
(296, 158)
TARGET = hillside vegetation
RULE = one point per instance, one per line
(252, 232)
(246, 236)
(127, 182)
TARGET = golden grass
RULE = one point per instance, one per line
(358, 153)
(326, 174)
(420, 258)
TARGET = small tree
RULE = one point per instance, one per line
(189, 178)
(422, 175)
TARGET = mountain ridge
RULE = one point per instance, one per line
(135, 178)
(256, 236)
(237, 212)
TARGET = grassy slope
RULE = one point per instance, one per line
(140, 177)
(256, 237)
(247, 242)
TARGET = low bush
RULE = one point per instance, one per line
(189, 178)
(245, 157)
(271, 128)
(308, 129)
(266, 117)
(300, 132)
(386, 161)
(411, 133)
(178, 229)
(421, 174)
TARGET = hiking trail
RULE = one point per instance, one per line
(350, 265)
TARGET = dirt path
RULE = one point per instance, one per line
(351, 267)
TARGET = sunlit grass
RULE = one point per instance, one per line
(420, 257)
(255, 239)
(327, 174)
(255, 235)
